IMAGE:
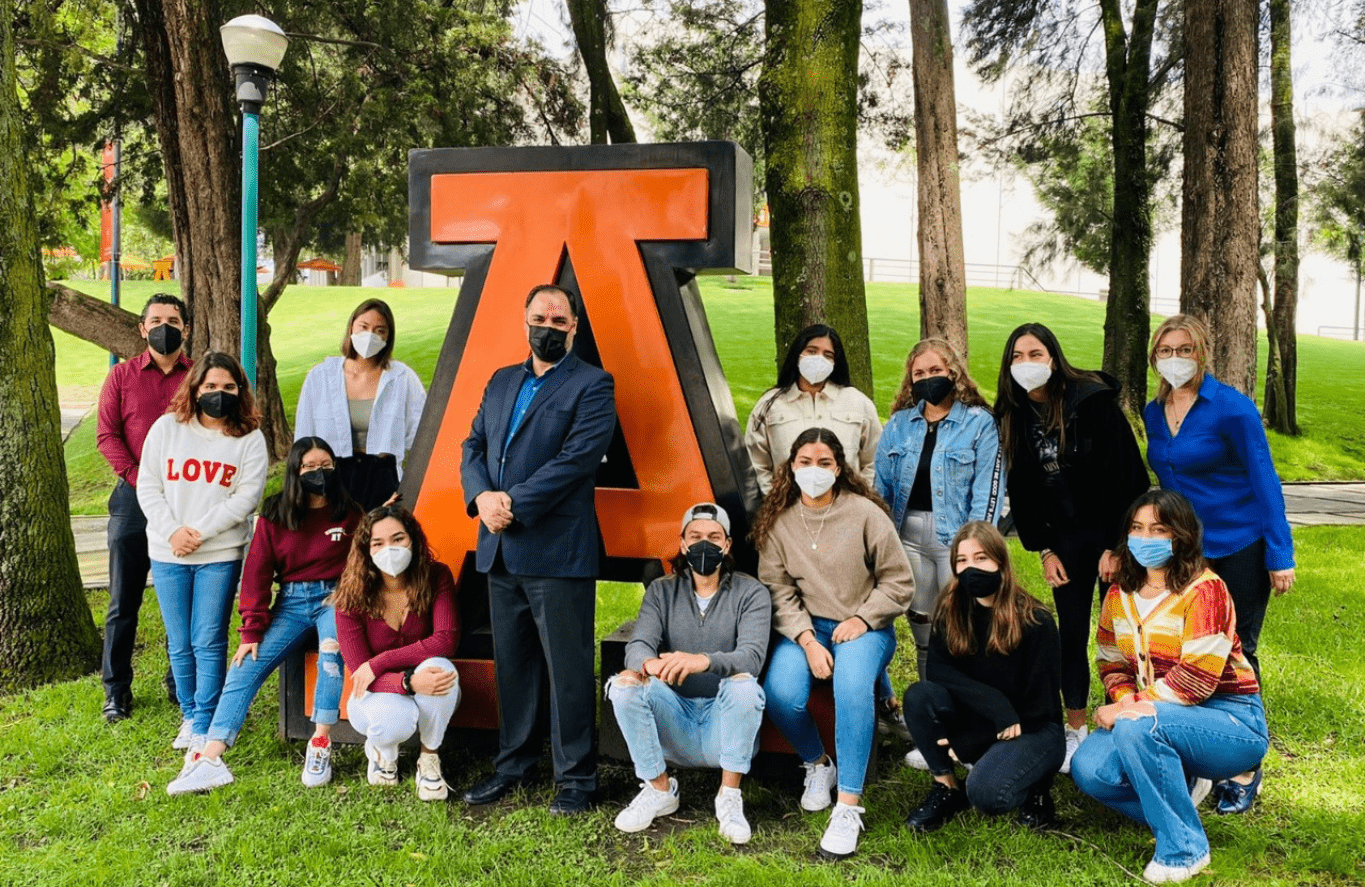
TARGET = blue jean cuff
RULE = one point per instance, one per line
(326, 716)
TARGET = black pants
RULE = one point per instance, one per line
(543, 627)
(1248, 581)
(128, 567)
(1080, 552)
(1003, 774)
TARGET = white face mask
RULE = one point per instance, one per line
(813, 480)
(392, 560)
(367, 344)
(814, 368)
(1031, 376)
(1177, 370)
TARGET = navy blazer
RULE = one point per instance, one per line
(548, 468)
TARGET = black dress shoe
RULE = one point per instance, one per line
(169, 683)
(571, 801)
(494, 788)
(118, 707)
(938, 809)
(1038, 812)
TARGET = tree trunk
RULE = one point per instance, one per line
(808, 103)
(1281, 378)
(942, 270)
(350, 266)
(607, 117)
(95, 320)
(1219, 221)
(1128, 311)
(46, 630)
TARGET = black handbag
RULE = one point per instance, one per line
(370, 478)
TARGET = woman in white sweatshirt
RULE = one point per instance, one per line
(202, 473)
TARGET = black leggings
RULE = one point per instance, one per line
(1248, 581)
(1080, 552)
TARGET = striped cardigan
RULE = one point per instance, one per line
(1184, 651)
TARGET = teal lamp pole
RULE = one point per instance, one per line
(255, 47)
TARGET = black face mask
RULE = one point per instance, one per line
(165, 339)
(320, 482)
(218, 404)
(704, 557)
(932, 389)
(978, 583)
(548, 343)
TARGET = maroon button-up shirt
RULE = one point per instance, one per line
(136, 393)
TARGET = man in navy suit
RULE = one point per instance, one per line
(528, 473)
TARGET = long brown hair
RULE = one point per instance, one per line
(358, 592)
(964, 386)
(1013, 609)
(385, 353)
(1199, 336)
(1011, 400)
(185, 405)
(785, 493)
(1187, 542)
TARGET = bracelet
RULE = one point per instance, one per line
(1043, 555)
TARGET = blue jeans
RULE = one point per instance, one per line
(659, 724)
(856, 666)
(298, 610)
(196, 604)
(1141, 767)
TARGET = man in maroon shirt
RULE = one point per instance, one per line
(135, 395)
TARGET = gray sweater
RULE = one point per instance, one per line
(733, 633)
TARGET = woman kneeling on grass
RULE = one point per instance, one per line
(993, 693)
(839, 578)
(398, 625)
(1187, 706)
(302, 539)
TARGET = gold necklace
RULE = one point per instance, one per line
(815, 537)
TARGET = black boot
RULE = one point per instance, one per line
(1038, 812)
(938, 809)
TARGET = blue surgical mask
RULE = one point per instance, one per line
(1150, 552)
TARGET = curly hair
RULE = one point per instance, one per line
(185, 405)
(785, 493)
(964, 386)
(1013, 608)
(358, 591)
(1187, 542)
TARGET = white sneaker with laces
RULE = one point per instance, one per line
(1157, 873)
(200, 775)
(1200, 790)
(730, 814)
(1074, 737)
(648, 804)
(380, 771)
(914, 759)
(820, 782)
(841, 835)
(317, 764)
(183, 736)
(431, 785)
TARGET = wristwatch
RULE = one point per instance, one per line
(407, 680)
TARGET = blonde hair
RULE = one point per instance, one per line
(964, 386)
(1198, 332)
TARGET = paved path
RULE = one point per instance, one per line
(1309, 505)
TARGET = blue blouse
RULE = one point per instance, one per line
(1220, 461)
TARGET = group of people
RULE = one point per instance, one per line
(859, 525)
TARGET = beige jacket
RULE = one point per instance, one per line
(842, 409)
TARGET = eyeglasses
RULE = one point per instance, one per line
(321, 466)
(1166, 351)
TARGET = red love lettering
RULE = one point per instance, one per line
(170, 470)
(211, 469)
(191, 469)
(229, 471)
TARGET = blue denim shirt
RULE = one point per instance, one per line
(966, 466)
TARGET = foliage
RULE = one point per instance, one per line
(1337, 214)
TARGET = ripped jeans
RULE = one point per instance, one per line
(659, 724)
(298, 609)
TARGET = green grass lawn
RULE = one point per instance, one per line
(308, 323)
(84, 804)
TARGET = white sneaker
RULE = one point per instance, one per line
(730, 814)
(820, 782)
(380, 771)
(183, 736)
(200, 775)
(317, 764)
(431, 785)
(648, 804)
(1157, 873)
(914, 759)
(1200, 790)
(841, 835)
(1074, 737)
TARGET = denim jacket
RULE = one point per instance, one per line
(966, 466)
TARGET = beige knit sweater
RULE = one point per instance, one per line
(851, 565)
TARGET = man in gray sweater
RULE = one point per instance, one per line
(690, 691)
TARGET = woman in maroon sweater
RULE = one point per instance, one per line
(301, 541)
(397, 623)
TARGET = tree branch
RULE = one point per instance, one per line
(94, 320)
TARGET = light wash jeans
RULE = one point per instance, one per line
(857, 663)
(1142, 766)
(387, 720)
(196, 604)
(299, 609)
(659, 724)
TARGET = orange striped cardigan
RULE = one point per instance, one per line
(1184, 651)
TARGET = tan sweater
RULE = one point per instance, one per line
(858, 566)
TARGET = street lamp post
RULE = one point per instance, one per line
(255, 47)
